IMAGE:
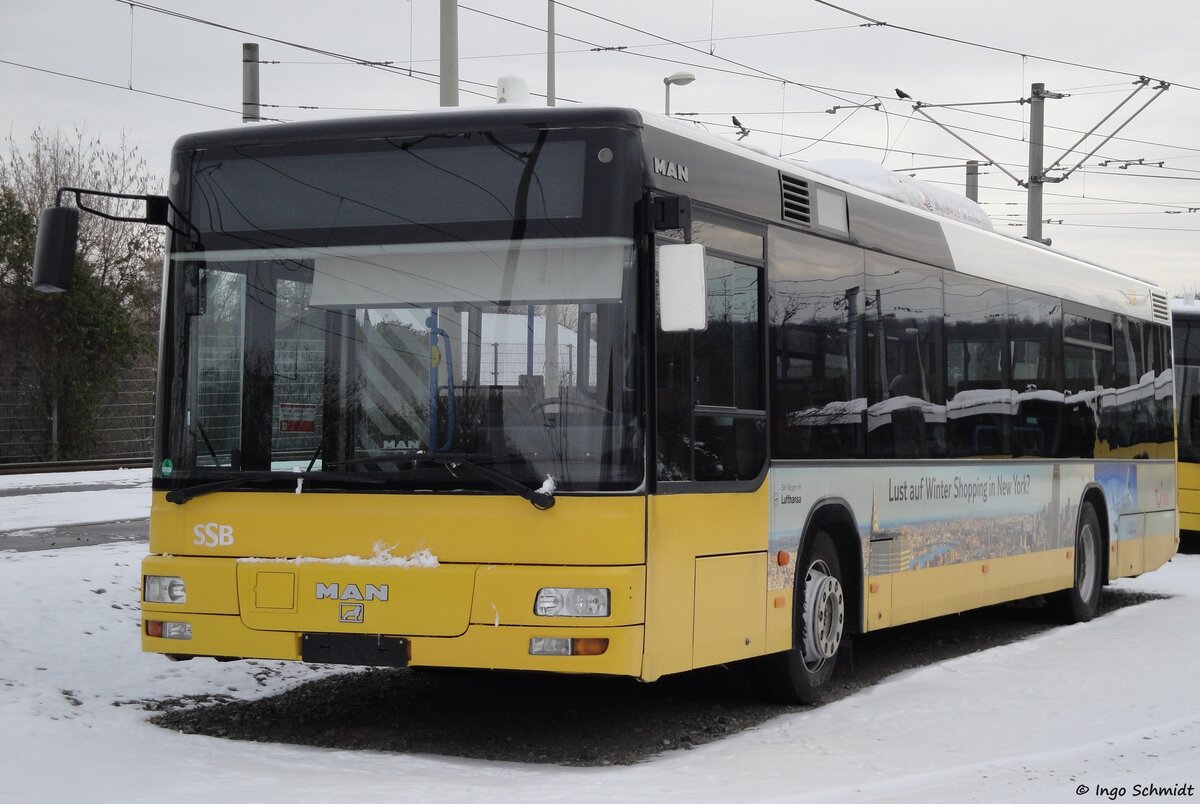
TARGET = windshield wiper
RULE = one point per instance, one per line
(541, 499)
(209, 444)
(182, 495)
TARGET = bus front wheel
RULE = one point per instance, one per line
(1079, 603)
(801, 675)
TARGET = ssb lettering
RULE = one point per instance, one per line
(212, 534)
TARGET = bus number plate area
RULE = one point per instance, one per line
(364, 649)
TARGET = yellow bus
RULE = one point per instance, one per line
(1186, 324)
(585, 390)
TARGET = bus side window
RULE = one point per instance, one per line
(730, 444)
(1128, 419)
(1088, 375)
(1164, 392)
(1035, 346)
(817, 304)
(673, 404)
(979, 398)
(711, 420)
(906, 379)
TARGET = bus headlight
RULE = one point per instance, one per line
(164, 589)
(554, 601)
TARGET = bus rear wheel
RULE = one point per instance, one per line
(1080, 603)
(801, 675)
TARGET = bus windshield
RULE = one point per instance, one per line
(348, 309)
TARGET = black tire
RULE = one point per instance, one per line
(801, 675)
(1079, 603)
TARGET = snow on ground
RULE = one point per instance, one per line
(1112, 703)
(115, 495)
(108, 477)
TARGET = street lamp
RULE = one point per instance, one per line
(679, 79)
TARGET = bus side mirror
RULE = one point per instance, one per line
(58, 228)
(682, 288)
(54, 259)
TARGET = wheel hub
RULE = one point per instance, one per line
(1087, 569)
(824, 614)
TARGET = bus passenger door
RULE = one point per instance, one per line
(707, 535)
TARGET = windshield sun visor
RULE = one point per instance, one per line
(441, 273)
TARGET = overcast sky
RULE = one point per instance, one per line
(776, 64)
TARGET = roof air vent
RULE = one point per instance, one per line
(797, 207)
(1159, 306)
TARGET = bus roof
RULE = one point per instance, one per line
(414, 124)
(881, 223)
(873, 220)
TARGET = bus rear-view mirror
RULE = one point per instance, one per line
(54, 258)
(682, 288)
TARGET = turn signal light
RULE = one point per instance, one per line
(562, 646)
(168, 630)
(588, 646)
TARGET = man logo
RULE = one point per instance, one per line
(671, 170)
(351, 613)
(351, 591)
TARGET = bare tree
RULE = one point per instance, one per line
(77, 344)
(119, 254)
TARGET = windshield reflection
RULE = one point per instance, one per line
(336, 360)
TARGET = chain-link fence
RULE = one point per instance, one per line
(25, 426)
(28, 427)
(125, 420)
(504, 363)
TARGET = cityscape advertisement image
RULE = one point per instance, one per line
(921, 517)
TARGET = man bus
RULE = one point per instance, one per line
(585, 390)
